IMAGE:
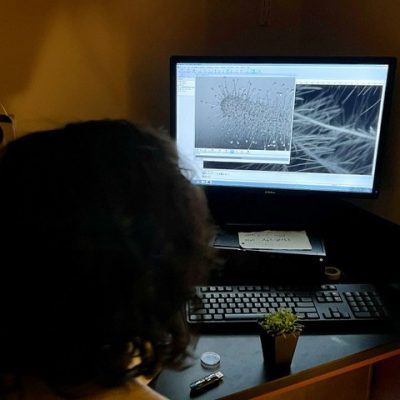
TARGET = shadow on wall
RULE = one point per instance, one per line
(67, 61)
(22, 33)
(264, 28)
(165, 28)
(88, 59)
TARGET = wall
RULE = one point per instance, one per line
(67, 60)
(80, 59)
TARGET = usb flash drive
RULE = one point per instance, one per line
(206, 383)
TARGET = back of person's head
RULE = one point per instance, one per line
(101, 240)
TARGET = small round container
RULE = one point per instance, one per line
(210, 360)
(332, 273)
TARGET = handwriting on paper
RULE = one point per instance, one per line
(278, 240)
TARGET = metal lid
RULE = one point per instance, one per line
(209, 359)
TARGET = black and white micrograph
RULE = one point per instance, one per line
(334, 131)
(244, 113)
(335, 128)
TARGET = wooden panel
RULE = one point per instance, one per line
(385, 382)
(291, 383)
(353, 385)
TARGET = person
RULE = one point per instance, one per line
(102, 240)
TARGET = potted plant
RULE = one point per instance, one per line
(279, 332)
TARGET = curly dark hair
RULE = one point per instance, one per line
(102, 239)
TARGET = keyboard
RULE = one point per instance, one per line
(326, 308)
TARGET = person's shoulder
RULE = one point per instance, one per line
(131, 391)
(135, 390)
(139, 389)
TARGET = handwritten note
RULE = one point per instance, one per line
(278, 240)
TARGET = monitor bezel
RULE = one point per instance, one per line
(250, 191)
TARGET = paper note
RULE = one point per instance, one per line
(278, 240)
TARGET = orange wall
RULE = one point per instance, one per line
(66, 60)
(79, 59)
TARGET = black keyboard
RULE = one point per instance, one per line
(330, 308)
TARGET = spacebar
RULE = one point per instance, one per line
(244, 316)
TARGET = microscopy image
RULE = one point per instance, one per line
(335, 127)
(334, 131)
(244, 113)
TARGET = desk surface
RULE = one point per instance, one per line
(242, 362)
(357, 250)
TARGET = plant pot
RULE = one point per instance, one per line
(278, 350)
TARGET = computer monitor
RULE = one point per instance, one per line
(281, 125)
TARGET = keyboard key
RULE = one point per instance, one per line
(305, 304)
(244, 316)
(363, 314)
(304, 309)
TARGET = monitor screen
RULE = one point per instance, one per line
(281, 124)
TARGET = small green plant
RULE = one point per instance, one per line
(281, 322)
